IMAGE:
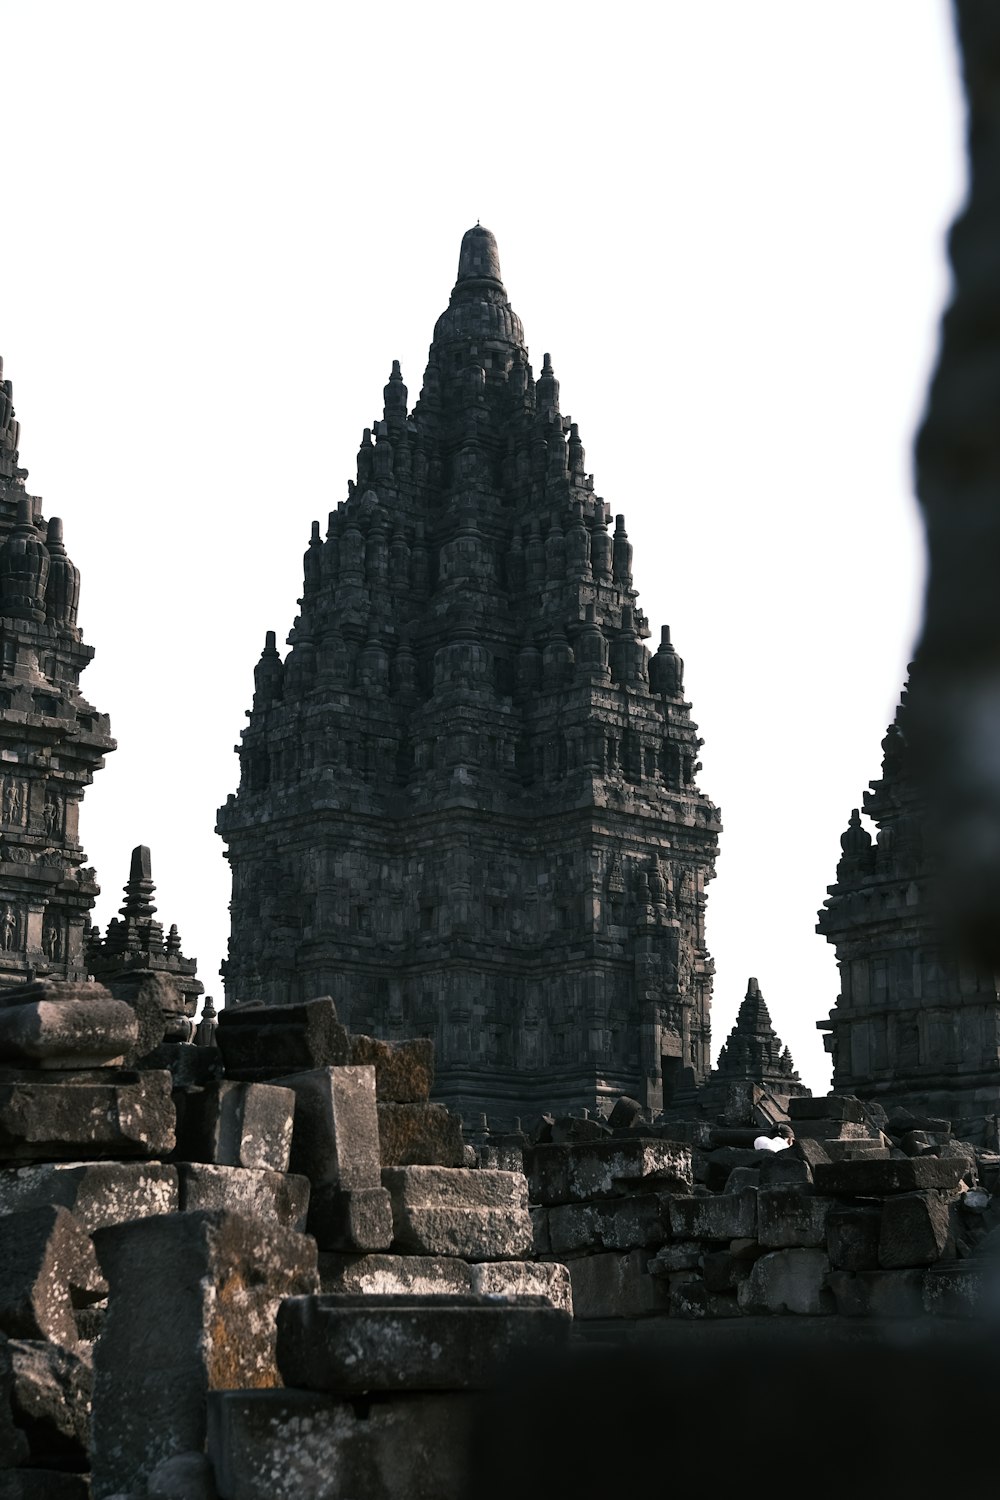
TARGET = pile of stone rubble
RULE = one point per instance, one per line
(865, 1216)
(257, 1268)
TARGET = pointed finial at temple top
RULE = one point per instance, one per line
(479, 258)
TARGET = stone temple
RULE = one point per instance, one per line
(51, 739)
(917, 1021)
(468, 806)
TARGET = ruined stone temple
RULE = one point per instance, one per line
(134, 953)
(915, 1024)
(467, 805)
(51, 739)
(753, 1052)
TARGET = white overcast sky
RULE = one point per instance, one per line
(222, 222)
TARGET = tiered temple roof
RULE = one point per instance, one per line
(468, 805)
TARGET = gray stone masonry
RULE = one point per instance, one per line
(745, 1233)
(349, 1345)
(468, 806)
(192, 1307)
(284, 1445)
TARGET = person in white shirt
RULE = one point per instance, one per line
(779, 1140)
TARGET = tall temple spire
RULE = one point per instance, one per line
(915, 1024)
(753, 1050)
(51, 739)
(456, 784)
(133, 953)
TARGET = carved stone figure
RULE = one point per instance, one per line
(8, 928)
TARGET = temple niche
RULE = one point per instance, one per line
(916, 1025)
(51, 739)
(468, 804)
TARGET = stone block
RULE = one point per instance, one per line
(730, 1216)
(878, 1294)
(540, 1231)
(76, 1117)
(788, 1281)
(358, 1219)
(394, 1275)
(286, 1445)
(914, 1230)
(722, 1162)
(877, 1179)
(689, 1299)
(832, 1130)
(808, 1149)
(261, 1042)
(824, 1107)
(963, 1289)
(419, 1135)
(605, 1169)
(191, 1309)
(476, 1214)
(523, 1278)
(272, 1197)
(48, 1391)
(788, 1218)
(47, 1266)
(859, 1150)
(237, 1125)
(608, 1224)
(79, 1031)
(431, 1276)
(350, 1345)
(683, 1255)
(335, 1138)
(741, 1178)
(723, 1271)
(45, 1484)
(186, 1476)
(611, 1285)
(852, 1236)
(404, 1071)
(99, 1193)
(782, 1169)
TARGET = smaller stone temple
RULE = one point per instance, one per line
(51, 739)
(916, 1025)
(134, 953)
(753, 1052)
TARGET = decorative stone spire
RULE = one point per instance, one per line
(24, 567)
(62, 592)
(138, 909)
(753, 1050)
(269, 673)
(133, 957)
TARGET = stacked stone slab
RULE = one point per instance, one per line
(51, 739)
(397, 1205)
(863, 1217)
(71, 1107)
(917, 1023)
(468, 804)
(426, 1285)
(152, 1226)
(415, 1362)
